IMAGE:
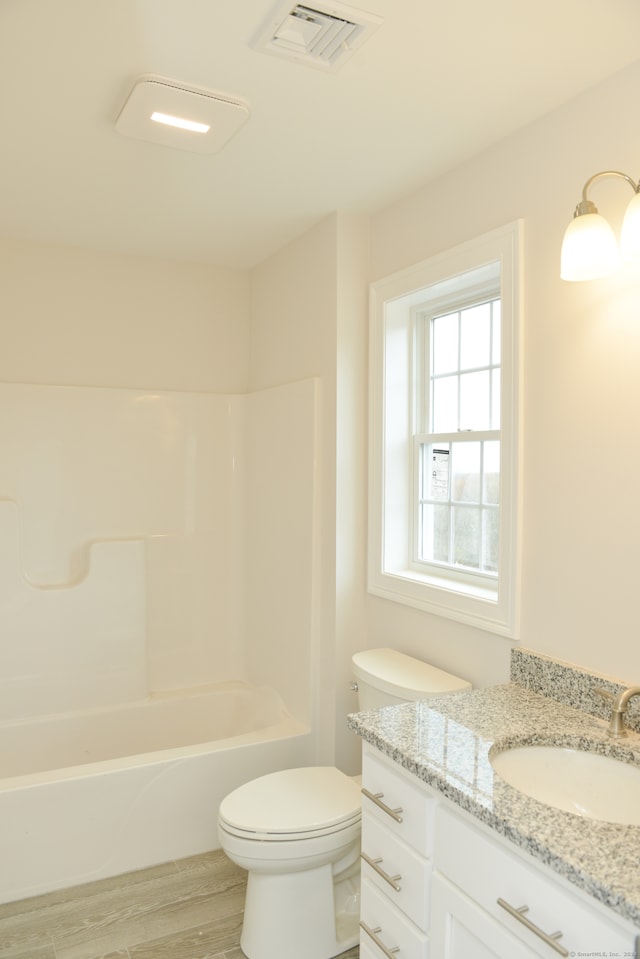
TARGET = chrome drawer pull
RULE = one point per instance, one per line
(376, 798)
(392, 880)
(551, 940)
(373, 934)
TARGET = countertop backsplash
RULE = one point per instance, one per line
(570, 685)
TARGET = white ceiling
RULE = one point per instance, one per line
(435, 84)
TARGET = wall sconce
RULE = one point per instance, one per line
(589, 248)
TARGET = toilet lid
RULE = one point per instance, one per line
(314, 800)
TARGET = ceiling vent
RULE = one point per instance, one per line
(321, 35)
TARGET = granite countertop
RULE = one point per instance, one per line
(445, 742)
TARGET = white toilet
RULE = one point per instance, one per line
(297, 832)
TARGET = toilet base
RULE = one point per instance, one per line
(302, 915)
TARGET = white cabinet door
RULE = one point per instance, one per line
(495, 876)
(460, 929)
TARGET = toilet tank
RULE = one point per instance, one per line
(386, 677)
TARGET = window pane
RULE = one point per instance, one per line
(444, 343)
(466, 472)
(491, 491)
(474, 401)
(475, 343)
(466, 536)
(435, 534)
(435, 472)
(495, 358)
(490, 540)
(495, 399)
(445, 405)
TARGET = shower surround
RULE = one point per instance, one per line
(153, 544)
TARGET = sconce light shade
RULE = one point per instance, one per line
(589, 249)
(630, 233)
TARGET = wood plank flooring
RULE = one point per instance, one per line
(189, 909)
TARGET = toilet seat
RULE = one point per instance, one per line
(292, 804)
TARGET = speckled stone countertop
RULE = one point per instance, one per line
(446, 741)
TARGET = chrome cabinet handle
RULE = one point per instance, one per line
(374, 863)
(376, 798)
(551, 940)
(373, 934)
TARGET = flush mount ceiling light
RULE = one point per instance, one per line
(320, 34)
(174, 115)
(589, 248)
(180, 122)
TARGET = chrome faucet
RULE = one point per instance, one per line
(620, 702)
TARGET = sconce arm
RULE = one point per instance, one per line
(586, 205)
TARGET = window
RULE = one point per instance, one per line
(457, 448)
(444, 438)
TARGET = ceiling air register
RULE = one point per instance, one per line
(322, 35)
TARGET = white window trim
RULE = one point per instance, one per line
(390, 437)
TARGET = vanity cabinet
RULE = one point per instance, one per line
(438, 884)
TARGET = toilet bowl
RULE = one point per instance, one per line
(297, 832)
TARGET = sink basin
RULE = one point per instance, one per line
(586, 784)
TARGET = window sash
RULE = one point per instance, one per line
(428, 378)
(440, 498)
(428, 546)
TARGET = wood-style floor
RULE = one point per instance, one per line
(190, 909)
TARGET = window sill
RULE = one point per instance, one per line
(473, 605)
(487, 592)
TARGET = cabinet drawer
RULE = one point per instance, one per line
(486, 870)
(398, 790)
(411, 872)
(395, 931)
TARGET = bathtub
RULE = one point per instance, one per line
(94, 794)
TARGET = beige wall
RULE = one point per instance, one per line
(351, 474)
(582, 390)
(308, 318)
(75, 317)
(292, 337)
